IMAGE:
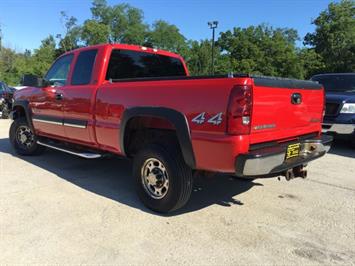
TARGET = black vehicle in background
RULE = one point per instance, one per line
(6, 99)
(339, 118)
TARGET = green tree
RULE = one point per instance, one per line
(262, 50)
(13, 65)
(23, 64)
(199, 59)
(72, 33)
(334, 36)
(124, 21)
(166, 36)
(93, 32)
(44, 56)
(100, 11)
(312, 63)
(8, 72)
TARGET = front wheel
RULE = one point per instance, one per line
(23, 139)
(163, 180)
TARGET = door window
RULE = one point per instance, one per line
(58, 73)
(83, 67)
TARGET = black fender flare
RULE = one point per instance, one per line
(174, 117)
(26, 106)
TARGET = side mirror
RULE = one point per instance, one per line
(33, 81)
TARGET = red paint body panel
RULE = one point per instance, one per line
(102, 105)
(79, 104)
(273, 106)
(43, 102)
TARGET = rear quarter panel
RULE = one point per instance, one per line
(190, 97)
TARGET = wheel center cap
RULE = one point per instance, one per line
(152, 178)
(23, 138)
(155, 177)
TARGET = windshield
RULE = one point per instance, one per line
(342, 83)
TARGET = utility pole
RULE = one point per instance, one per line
(213, 25)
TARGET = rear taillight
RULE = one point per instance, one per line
(239, 110)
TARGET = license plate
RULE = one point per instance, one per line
(293, 150)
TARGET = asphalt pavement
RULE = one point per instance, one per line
(60, 209)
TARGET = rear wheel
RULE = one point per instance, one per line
(23, 138)
(163, 180)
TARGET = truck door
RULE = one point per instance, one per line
(47, 103)
(79, 100)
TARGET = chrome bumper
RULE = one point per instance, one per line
(271, 160)
(338, 128)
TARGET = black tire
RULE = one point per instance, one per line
(31, 149)
(243, 179)
(352, 141)
(179, 177)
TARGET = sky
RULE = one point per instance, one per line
(25, 23)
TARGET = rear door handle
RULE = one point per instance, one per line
(59, 96)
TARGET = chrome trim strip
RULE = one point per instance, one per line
(339, 128)
(265, 165)
(59, 123)
(47, 121)
(85, 155)
(261, 166)
(74, 125)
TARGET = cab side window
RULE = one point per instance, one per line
(83, 68)
(58, 73)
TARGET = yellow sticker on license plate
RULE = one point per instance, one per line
(293, 150)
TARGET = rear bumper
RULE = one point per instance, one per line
(271, 160)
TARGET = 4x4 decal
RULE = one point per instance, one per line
(199, 119)
(215, 120)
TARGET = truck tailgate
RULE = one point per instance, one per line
(285, 108)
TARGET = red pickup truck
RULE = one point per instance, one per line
(141, 103)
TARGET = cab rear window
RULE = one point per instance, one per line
(126, 64)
